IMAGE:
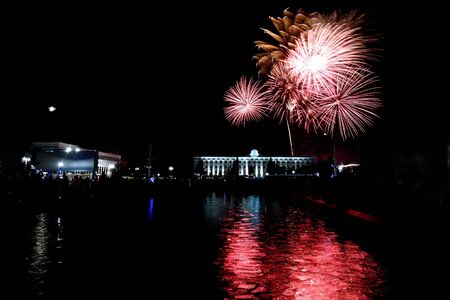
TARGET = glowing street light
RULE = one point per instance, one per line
(334, 154)
(77, 149)
(60, 164)
(51, 108)
(69, 149)
(170, 168)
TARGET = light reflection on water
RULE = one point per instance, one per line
(38, 260)
(285, 253)
(60, 240)
(47, 247)
(150, 210)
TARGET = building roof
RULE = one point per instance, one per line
(57, 145)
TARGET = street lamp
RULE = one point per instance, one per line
(334, 154)
(26, 159)
(51, 108)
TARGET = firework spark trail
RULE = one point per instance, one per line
(290, 137)
(247, 102)
(350, 104)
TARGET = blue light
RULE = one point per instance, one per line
(150, 209)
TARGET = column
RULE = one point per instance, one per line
(241, 168)
(213, 168)
(225, 164)
(246, 167)
(209, 167)
(262, 169)
(223, 168)
(217, 168)
(257, 169)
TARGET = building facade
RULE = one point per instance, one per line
(107, 162)
(58, 157)
(253, 165)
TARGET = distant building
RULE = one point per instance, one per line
(58, 157)
(107, 162)
(253, 165)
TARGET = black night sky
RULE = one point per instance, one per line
(125, 76)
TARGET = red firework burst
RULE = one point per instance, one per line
(285, 92)
(288, 99)
(349, 103)
(247, 102)
(325, 53)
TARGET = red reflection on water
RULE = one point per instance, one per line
(294, 259)
(242, 260)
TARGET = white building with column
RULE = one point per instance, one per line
(253, 165)
(107, 162)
